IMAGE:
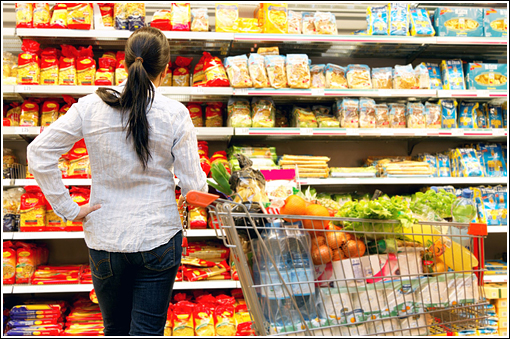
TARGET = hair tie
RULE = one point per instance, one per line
(139, 58)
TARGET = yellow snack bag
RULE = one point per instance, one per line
(248, 25)
(183, 321)
(225, 322)
(24, 12)
(41, 15)
(204, 321)
(226, 17)
(275, 18)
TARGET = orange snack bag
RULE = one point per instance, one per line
(215, 75)
(181, 73)
(28, 63)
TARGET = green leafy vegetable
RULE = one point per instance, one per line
(440, 202)
(221, 178)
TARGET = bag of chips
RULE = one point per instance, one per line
(432, 115)
(105, 72)
(308, 22)
(325, 23)
(275, 18)
(239, 113)
(195, 112)
(237, 70)
(85, 67)
(335, 76)
(181, 73)
(275, 65)
(348, 112)
(28, 63)
(24, 15)
(421, 74)
(382, 116)
(199, 20)
(226, 17)
(382, 78)
(257, 70)
(79, 15)
(106, 10)
(180, 19)
(29, 113)
(59, 16)
(420, 23)
(67, 69)
(41, 16)
(404, 77)
(214, 115)
(397, 115)
(377, 20)
(415, 115)
(215, 75)
(294, 23)
(358, 77)
(298, 71)
(448, 113)
(318, 76)
(49, 67)
(263, 112)
(367, 113)
(399, 19)
(49, 112)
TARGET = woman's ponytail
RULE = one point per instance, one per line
(147, 54)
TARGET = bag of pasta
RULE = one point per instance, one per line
(404, 77)
(415, 115)
(358, 77)
(69, 100)
(59, 16)
(382, 78)
(215, 75)
(382, 116)
(121, 72)
(49, 112)
(32, 210)
(248, 25)
(397, 116)
(197, 217)
(54, 222)
(28, 63)
(41, 16)
(225, 321)
(67, 66)
(239, 113)
(421, 74)
(294, 23)
(377, 20)
(367, 116)
(105, 72)
(308, 22)
(79, 15)
(268, 51)
(85, 67)
(248, 183)
(79, 165)
(29, 113)
(199, 20)
(204, 321)
(181, 73)
(263, 112)
(298, 71)
(420, 23)
(257, 70)
(214, 114)
(399, 19)
(325, 23)
(303, 117)
(63, 165)
(318, 76)
(226, 17)
(237, 70)
(432, 115)
(24, 15)
(281, 117)
(325, 119)
(9, 263)
(275, 66)
(26, 262)
(106, 10)
(180, 18)
(81, 196)
(195, 112)
(198, 73)
(348, 112)
(120, 14)
(335, 76)
(49, 67)
(275, 18)
(161, 19)
(14, 114)
(135, 15)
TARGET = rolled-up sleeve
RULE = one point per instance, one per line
(186, 159)
(43, 155)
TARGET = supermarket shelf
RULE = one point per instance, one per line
(485, 41)
(333, 38)
(472, 94)
(320, 92)
(497, 229)
(405, 181)
(20, 133)
(495, 278)
(214, 133)
(8, 31)
(7, 289)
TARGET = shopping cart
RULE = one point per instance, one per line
(366, 277)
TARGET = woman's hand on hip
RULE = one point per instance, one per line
(85, 210)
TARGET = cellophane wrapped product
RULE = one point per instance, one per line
(106, 10)
(420, 23)
(199, 20)
(434, 75)
(105, 72)
(28, 63)
(180, 18)
(467, 114)
(421, 74)
(81, 196)
(325, 23)
(318, 76)
(397, 115)
(367, 118)
(135, 15)
(49, 67)
(399, 19)
(226, 17)
(239, 113)
(41, 16)
(298, 71)
(79, 165)
(448, 113)
(335, 77)
(29, 113)
(257, 70)
(215, 75)
(69, 100)
(308, 22)
(85, 67)
(382, 116)
(263, 112)
(49, 112)
(24, 15)
(275, 66)
(294, 23)
(195, 112)
(59, 16)
(32, 210)
(324, 116)
(237, 70)
(404, 77)
(415, 115)
(181, 73)
(347, 111)
(198, 73)
(79, 15)
(121, 71)
(432, 115)
(358, 77)
(377, 20)
(161, 19)
(275, 18)
(214, 114)
(67, 69)
(303, 117)
(382, 78)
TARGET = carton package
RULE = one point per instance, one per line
(487, 76)
(458, 21)
(495, 22)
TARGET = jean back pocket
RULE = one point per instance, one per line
(100, 264)
(165, 256)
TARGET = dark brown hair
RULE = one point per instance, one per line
(147, 55)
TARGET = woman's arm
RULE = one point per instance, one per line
(43, 154)
(186, 159)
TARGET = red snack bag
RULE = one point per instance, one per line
(106, 10)
(28, 63)
(245, 329)
(49, 66)
(197, 217)
(195, 112)
(215, 75)
(54, 222)
(181, 73)
(202, 146)
(79, 165)
(214, 115)
(32, 210)
(105, 72)
(120, 69)
(180, 17)
(9, 263)
(224, 299)
(198, 73)
(49, 112)
(205, 164)
(69, 102)
(81, 196)
(204, 320)
(67, 72)
(85, 67)
(161, 19)
(24, 14)
(25, 263)
(224, 320)
(29, 113)
(183, 324)
(59, 16)
(79, 15)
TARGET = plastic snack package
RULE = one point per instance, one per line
(348, 112)
(9, 263)
(275, 66)
(335, 76)
(469, 164)
(204, 273)
(49, 67)
(452, 74)
(494, 115)
(28, 63)
(298, 71)
(120, 13)
(377, 20)
(180, 17)
(358, 77)
(79, 161)
(198, 73)
(481, 118)
(421, 74)
(54, 222)
(121, 72)
(263, 112)
(85, 67)
(318, 77)
(458, 21)
(257, 70)
(226, 17)
(324, 116)
(275, 18)
(106, 10)
(24, 15)
(105, 72)
(448, 113)
(69, 100)
(181, 73)
(204, 321)
(215, 75)
(325, 23)
(308, 22)
(59, 16)
(398, 19)
(467, 113)
(135, 15)
(382, 77)
(367, 113)
(14, 114)
(195, 112)
(237, 70)
(32, 210)
(197, 217)
(214, 115)
(183, 324)
(29, 113)
(404, 77)
(294, 23)
(434, 75)
(225, 321)
(67, 66)
(199, 20)
(268, 51)
(161, 19)
(239, 113)
(79, 15)
(49, 112)
(41, 16)
(26, 262)
(382, 116)
(81, 196)
(432, 115)
(248, 25)
(495, 22)
(415, 115)
(491, 158)
(63, 165)
(282, 119)
(420, 23)
(443, 165)
(303, 117)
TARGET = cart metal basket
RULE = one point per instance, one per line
(371, 277)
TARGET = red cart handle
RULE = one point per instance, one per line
(200, 199)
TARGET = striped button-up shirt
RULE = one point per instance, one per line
(138, 208)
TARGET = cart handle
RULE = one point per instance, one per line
(200, 199)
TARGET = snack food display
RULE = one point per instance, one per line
(335, 76)
(237, 70)
(275, 66)
(298, 71)
(358, 77)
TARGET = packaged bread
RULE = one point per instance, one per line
(335, 76)
(195, 112)
(49, 67)
(214, 114)
(237, 70)
(294, 23)
(415, 115)
(226, 17)
(382, 78)
(298, 71)
(308, 22)
(399, 19)
(367, 113)
(324, 116)
(404, 78)
(421, 74)
(28, 63)
(432, 115)
(275, 66)
(377, 20)
(325, 23)
(275, 18)
(358, 77)
(239, 113)
(382, 116)
(214, 71)
(41, 16)
(397, 115)
(199, 20)
(180, 18)
(348, 112)
(263, 112)
(448, 113)
(257, 70)
(318, 76)
(303, 117)
(420, 23)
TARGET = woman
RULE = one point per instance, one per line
(136, 141)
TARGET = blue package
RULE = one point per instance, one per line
(481, 119)
(487, 76)
(443, 165)
(431, 160)
(494, 115)
(489, 203)
(432, 115)
(448, 113)
(467, 114)
(452, 74)
(492, 159)
(501, 195)
(377, 20)
(458, 21)
(420, 23)
(504, 113)
(434, 76)
(495, 22)
(399, 19)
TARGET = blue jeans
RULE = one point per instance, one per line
(134, 289)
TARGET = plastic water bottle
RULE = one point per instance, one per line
(464, 211)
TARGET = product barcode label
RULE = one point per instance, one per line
(197, 90)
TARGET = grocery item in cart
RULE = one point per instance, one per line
(294, 23)
(28, 63)
(85, 67)
(448, 113)
(29, 113)
(325, 23)
(79, 15)
(421, 74)
(181, 73)
(180, 17)
(257, 70)
(404, 77)
(237, 70)
(248, 183)
(226, 17)
(199, 20)
(303, 117)
(434, 75)
(263, 112)
(367, 116)
(432, 115)
(358, 77)
(215, 75)
(298, 71)
(335, 76)
(377, 20)
(398, 23)
(308, 22)
(324, 117)
(494, 115)
(214, 115)
(486, 76)
(318, 77)
(239, 113)
(348, 112)
(495, 22)
(67, 65)
(382, 78)
(49, 112)
(458, 21)
(41, 15)
(275, 66)
(382, 116)
(415, 115)
(59, 16)
(467, 114)
(420, 23)
(452, 74)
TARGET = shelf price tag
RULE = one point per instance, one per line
(483, 94)
(385, 92)
(241, 91)
(243, 131)
(306, 131)
(197, 90)
(26, 89)
(21, 130)
(318, 92)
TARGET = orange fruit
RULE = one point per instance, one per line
(294, 205)
(316, 211)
